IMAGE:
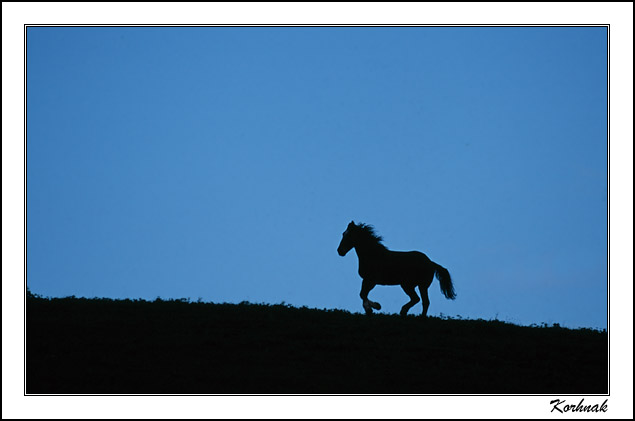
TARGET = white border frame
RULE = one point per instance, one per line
(16, 15)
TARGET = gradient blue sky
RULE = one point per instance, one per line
(224, 164)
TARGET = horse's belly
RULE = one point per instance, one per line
(397, 268)
(383, 278)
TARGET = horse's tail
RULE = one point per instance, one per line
(445, 281)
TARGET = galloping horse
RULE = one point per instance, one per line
(380, 266)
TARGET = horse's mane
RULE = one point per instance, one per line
(370, 235)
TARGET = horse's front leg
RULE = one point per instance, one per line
(368, 304)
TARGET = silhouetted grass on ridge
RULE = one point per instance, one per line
(105, 346)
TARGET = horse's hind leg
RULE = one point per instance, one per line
(368, 304)
(414, 298)
(425, 301)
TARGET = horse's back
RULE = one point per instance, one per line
(409, 256)
(400, 266)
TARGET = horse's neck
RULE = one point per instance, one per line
(370, 250)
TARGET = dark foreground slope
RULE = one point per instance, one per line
(100, 346)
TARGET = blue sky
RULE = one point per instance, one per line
(224, 164)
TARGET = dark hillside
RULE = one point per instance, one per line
(102, 346)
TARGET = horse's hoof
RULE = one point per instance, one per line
(376, 306)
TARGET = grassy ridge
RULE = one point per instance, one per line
(102, 346)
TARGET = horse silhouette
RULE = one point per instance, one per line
(380, 266)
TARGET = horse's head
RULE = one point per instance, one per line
(348, 239)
